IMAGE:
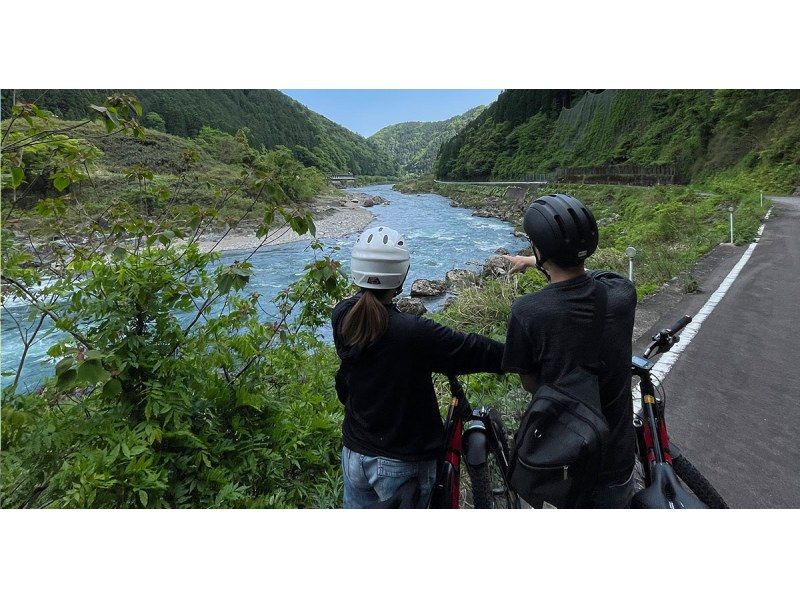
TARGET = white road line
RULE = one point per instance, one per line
(663, 365)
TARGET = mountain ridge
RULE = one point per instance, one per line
(699, 132)
(414, 144)
(271, 117)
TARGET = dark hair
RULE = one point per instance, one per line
(366, 321)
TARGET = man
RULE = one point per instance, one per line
(548, 330)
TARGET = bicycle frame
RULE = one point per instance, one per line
(662, 487)
(651, 429)
(475, 442)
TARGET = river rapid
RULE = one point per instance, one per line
(439, 237)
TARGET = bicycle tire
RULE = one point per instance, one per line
(488, 491)
(482, 485)
(698, 483)
(480, 479)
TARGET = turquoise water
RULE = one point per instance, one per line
(439, 238)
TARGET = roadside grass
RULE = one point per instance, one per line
(671, 228)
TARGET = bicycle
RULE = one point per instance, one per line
(660, 460)
(477, 435)
(479, 438)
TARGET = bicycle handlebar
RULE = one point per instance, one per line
(680, 324)
(663, 341)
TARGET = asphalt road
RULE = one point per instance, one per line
(733, 396)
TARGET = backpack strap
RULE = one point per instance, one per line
(598, 324)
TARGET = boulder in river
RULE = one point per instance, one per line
(427, 288)
(501, 251)
(373, 200)
(496, 266)
(460, 277)
(410, 305)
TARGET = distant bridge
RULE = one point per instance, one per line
(343, 179)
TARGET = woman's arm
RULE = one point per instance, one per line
(447, 351)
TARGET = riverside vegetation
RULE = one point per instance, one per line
(219, 407)
(224, 408)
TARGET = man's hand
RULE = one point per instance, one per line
(520, 263)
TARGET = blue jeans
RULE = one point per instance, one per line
(369, 480)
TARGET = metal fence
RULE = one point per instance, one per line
(617, 174)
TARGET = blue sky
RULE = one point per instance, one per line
(366, 111)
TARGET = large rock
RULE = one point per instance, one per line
(496, 267)
(373, 200)
(427, 288)
(460, 277)
(410, 305)
(501, 251)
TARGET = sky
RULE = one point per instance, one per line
(366, 111)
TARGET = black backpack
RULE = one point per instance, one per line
(560, 445)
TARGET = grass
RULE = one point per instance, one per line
(671, 227)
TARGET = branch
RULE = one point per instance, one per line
(35, 302)
(27, 342)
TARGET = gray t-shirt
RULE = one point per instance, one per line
(548, 335)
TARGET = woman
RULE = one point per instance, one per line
(392, 428)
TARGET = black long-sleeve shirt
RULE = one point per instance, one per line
(386, 388)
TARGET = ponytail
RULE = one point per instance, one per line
(366, 321)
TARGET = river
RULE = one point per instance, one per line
(439, 237)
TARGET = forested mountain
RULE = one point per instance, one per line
(272, 118)
(414, 145)
(698, 131)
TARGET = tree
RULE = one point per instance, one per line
(171, 389)
(153, 120)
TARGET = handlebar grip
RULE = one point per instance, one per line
(680, 324)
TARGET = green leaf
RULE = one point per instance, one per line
(112, 388)
(91, 371)
(17, 174)
(63, 365)
(119, 253)
(66, 379)
(61, 181)
(143, 497)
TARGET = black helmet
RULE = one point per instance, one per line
(562, 229)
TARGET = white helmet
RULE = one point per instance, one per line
(379, 259)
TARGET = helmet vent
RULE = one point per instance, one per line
(385, 239)
(560, 224)
(578, 226)
(369, 239)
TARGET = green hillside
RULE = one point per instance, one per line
(699, 132)
(414, 145)
(270, 117)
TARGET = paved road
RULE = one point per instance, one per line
(733, 397)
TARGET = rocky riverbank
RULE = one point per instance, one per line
(495, 266)
(334, 216)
